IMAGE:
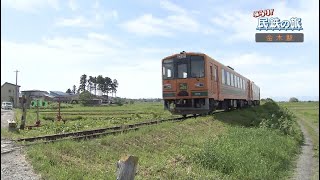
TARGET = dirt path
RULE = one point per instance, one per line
(306, 161)
(13, 162)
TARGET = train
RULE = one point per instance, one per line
(194, 83)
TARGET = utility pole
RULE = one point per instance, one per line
(17, 90)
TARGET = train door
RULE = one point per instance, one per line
(214, 80)
(249, 91)
(212, 90)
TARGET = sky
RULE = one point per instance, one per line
(53, 42)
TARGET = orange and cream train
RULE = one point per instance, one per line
(194, 83)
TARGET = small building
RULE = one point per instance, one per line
(64, 97)
(9, 92)
(34, 94)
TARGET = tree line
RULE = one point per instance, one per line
(93, 83)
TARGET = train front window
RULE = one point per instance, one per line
(168, 69)
(197, 67)
(182, 70)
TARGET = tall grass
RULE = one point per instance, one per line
(249, 153)
(261, 144)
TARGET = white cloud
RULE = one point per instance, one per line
(172, 7)
(73, 5)
(288, 83)
(105, 37)
(79, 21)
(97, 19)
(31, 6)
(179, 21)
(254, 59)
(148, 25)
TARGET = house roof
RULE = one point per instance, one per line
(35, 91)
(59, 93)
(9, 84)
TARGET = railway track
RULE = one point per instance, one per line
(87, 134)
(96, 132)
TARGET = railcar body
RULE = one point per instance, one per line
(194, 83)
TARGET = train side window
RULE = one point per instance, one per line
(235, 81)
(225, 77)
(215, 73)
(238, 82)
(244, 83)
(222, 75)
(211, 73)
(232, 79)
(228, 78)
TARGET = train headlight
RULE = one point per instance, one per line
(199, 84)
(167, 86)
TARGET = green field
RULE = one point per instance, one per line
(308, 114)
(253, 143)
(84, 118)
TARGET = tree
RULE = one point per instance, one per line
(114, 86)
(293, 99)
(94, 81)
(83, 82)
(107, 85)
(74, 89)
(100, 82)
(68, 91)
(85, 97)
(90, 82)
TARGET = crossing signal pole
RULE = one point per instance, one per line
(16, 101)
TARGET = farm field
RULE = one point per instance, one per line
(251, 143)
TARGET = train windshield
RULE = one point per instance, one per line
(168, 69)
(182, 70)
(197, 66)
(185, 67)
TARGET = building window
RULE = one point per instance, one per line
(9, 90)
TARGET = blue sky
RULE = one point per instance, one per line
(53, 42)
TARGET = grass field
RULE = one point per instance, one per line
(83, 118)
(308, 114)
(254, 143)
